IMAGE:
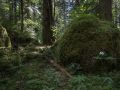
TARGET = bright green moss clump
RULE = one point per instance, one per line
(4, 38)
(85, 38)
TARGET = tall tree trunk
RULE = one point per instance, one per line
(15, 11)
(106, 9)
(64, 12)
(116, 15)
(10, 12)
(54, 8)
(22, 15)
(47, 22)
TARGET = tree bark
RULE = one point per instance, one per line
(15, 11)
(22, 15)
(105, 9)
(47, 22)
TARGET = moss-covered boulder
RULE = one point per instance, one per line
(86, 38)
(4, 38)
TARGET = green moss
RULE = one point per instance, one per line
(4, 38)
(85, 38)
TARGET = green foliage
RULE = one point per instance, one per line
(32, 32)
(11, 19)
(34, 84)
(4, 9)
(23, 37)
(38, 74)
(8, 60)
(91, 83)
(35, 1)
(86, 7)
(58, 29)
(51, 80)
(85, 38)
(29, 22)
(116, 77)
(57, 32)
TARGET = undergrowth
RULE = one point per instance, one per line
(37, 74)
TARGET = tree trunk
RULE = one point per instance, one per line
(22, 15)
(105, 9)
(15, 11)
(47, 22)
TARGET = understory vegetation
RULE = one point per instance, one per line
(32, 71)
(83, 41)
(59, 44)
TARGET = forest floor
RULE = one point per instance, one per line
(37, 73)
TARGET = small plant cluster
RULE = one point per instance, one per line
(91, 83)
(50, 80)
(8, 60)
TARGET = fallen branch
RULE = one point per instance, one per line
(60, 68)
(57, 66)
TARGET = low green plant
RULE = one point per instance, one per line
(9, 60)
(52, 79)
(34, 84)
(91, 83)
(116, 77)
